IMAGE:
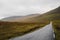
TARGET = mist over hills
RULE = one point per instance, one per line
(19, 18)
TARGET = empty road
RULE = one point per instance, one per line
(45, 33)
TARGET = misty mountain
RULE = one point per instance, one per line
(19, 18)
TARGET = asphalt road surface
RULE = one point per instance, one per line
(45, 33)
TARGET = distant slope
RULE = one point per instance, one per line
(19, 18)
(11, 18)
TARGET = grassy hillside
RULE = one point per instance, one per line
(12, 29)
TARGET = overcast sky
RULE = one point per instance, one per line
(25, 7)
